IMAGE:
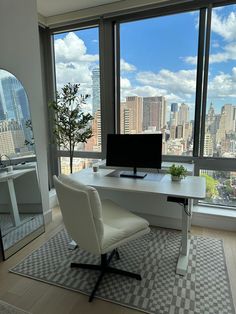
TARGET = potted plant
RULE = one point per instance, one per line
(71, 124)
(177, 172)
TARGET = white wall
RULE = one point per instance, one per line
(20, 55)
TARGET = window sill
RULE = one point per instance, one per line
(214, 211)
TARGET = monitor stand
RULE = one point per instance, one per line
(134, 174)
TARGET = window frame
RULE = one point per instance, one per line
(109, 51)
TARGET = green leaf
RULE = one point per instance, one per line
(71, 125)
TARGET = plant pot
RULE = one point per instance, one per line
(176, 178)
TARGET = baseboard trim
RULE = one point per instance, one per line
(214, 221)
(198, 219)
(47, 216)
(53, 202)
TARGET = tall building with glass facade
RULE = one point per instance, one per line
(95, 90)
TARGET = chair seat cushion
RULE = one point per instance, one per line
(120, 224)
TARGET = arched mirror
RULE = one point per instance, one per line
(21, 215)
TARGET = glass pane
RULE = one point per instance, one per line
(220, 127)
(78, 164)
(220, 187)
(77, 61)
(158, 79)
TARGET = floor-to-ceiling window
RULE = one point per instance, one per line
(219, 139)
(175, 76)
(158, 79)
(77, 61)
(220, 124)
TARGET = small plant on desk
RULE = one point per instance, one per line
(177, 172)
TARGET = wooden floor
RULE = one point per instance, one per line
(41, 298)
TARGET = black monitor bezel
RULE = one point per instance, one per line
(133, 164)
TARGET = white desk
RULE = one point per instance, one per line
(189, 188)
(9, 177)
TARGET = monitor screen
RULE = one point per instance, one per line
(134, 150)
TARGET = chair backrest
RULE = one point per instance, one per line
(81, 211)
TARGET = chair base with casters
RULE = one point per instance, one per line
(105, 268)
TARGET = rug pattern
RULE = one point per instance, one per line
(204, 289)
(6, 308)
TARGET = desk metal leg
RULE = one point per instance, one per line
(14, 207)
(182, 263)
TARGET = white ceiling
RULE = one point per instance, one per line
(54, 7)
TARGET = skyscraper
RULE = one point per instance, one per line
(208, 145)
(22, 100)
(10, 86)
(2, 114)
(183, 115)
(12, 139)
(125, 118)
(174, 114)
(131, 115)
(96, 127)
(174, 107)
(212, 125)
(96, 90)
(154, 112)
(226, 124)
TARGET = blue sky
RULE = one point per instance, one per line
(154, 43)
(159, 57)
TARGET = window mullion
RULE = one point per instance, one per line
(205, 80)
(199, 81)
(107, 76)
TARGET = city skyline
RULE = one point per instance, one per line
(162, 63)
(14, 116)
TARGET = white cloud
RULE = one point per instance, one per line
(142, 91)
(215, 44)
(190, 60)
(79, 73)
(126, 67)
(72, 49)
(225, 26)
(180, 86)
(149, 91)
(223, 85)
(174, 98)
(73, 63)
(125, 83)
(182, 83)
(228, 54)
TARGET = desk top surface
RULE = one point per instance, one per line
(190, 187)
(4, 176)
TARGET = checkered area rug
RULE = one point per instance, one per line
(204, 289)
(6, 308)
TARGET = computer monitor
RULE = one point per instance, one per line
(134, 150)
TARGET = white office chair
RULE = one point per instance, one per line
(97, 226)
